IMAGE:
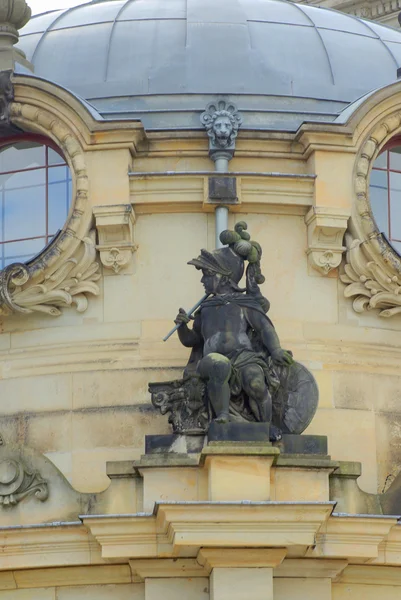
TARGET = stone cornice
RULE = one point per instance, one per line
(152, 543)
(356, 537)
(181, 529)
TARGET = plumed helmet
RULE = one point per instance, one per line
(224, 261)
(230, 260)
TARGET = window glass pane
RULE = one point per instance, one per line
(54, 158)
(378, 179)
(24, 213)
(21, 251)
(395, 206)
(379, 204)
(24, 179)
(395, 159)
(381, 160)
(59, 203)
(24, 199)
(24, 155)
(396, 246)
(58, 174)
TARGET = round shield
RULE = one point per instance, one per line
(295, 402)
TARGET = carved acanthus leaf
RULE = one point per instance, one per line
(368, 283)
(66, 285)
(17, 482)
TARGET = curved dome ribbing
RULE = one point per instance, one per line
(160, 60)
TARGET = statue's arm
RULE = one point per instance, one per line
(188, 337)
(269, 337)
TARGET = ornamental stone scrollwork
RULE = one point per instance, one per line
(66, 272)
(326, 228)
(17, 482)
(222, 121)
(372, 270)
(115, 228)
(62, 286)
(368, 283)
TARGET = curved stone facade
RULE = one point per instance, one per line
(97, 498)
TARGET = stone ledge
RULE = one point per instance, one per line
(305, 461)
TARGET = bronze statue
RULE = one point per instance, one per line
(237, 370)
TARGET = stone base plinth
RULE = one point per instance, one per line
(302, 444)
(239, 432)
(182, 444)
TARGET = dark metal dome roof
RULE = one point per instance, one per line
(161, 60)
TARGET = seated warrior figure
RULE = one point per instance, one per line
(235, 345)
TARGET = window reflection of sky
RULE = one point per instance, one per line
(35, 194)
(385, 195)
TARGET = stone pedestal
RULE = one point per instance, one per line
(238, 472)
(239, 432)
(239, 574)
(241, 584)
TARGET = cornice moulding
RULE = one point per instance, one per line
(185, 527)
(310, 568)
(371, 575)
(47, 546)
(357, 538)
(168, 192)
(122, 537)
(144, 541)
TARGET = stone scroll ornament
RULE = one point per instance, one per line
(237, 371)
(65, 285)
(17, 482)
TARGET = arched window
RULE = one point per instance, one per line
(35, 196)
(385, 193)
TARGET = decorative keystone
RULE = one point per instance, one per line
(326, 229)
(222, 121)
(14, 14)
(115, 228)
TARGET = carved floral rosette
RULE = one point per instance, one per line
(372, 269)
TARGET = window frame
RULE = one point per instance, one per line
(48, 237)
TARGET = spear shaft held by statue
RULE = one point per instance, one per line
(189, 314)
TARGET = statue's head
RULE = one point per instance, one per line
(222, 122)
(223, 268)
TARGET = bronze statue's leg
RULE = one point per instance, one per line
(216, 370)
(254, 384)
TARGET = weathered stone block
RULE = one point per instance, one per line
(239, 432)
(302, 444)
(160, 444)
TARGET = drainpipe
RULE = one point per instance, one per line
(221, 121)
